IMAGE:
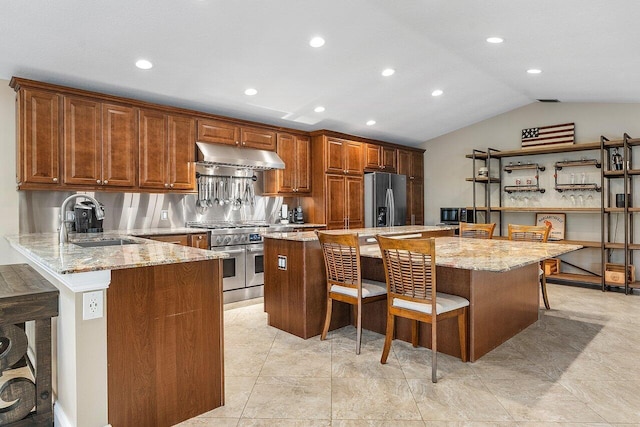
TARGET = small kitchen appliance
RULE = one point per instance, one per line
(298, 216)
(86, 220)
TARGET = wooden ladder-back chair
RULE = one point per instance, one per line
(344, 282)
(477, 231)
(533, 233)
(410, 270)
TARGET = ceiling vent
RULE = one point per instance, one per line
(548, 100)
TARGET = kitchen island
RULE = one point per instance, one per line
(498, 277)
(156, 356)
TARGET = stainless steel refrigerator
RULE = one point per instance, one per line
(385, 199)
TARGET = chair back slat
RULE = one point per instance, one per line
(342, 259)
(529, 233)
(409, 267)
(477, 231)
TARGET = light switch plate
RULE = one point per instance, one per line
(164, 215)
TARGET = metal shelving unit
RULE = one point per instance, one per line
(488, 160)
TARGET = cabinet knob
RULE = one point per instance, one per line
(105, 182)
(98, 181)
(244, 142)
(237, 142)
(166, 185)
(55, 179)
(171, 185)
(199, 237)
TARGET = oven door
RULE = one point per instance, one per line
(233, 268)
(255, 265)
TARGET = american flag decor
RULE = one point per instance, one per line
(549, 135)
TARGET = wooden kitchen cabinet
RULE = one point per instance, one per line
(411, 164)
(38, 129)
(99, 143)
(223, 132)
(344, 201)
(379, 158)
(167, 151)
(295, 178)
(199, 240)
(343, 156)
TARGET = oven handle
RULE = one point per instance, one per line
(236, 251)
(259, 248)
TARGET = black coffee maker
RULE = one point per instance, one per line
(86, 221)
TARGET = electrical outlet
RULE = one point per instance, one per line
(164, 215)
(92, 305)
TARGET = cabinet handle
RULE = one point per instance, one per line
(98, 181)
(55, 179)
(105, 182)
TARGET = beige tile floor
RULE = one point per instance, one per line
(579, 365)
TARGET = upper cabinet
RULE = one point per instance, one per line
(38, 131)
(167, 151)
(411, 164)
(295, 178)
(343, 156)
(380, 158)
(222, 132)
(99, 143)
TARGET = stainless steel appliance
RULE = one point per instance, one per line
(243, 271)
(385, 199)
(86, 217)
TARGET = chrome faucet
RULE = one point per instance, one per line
(64, 233)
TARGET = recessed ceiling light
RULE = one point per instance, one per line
(319, 109)
(251, 91)
(388, 72)
(143, 64)
(316, 42)
(437, 92)
(371, 122)
(495, 40)
(534, 71)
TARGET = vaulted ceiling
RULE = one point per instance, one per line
(206, 53)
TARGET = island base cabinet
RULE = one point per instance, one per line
(295, 293)
(164, 343)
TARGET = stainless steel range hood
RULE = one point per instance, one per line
(227, 155)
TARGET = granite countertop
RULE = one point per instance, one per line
(69, 258)
(486, 254)
(304, 236)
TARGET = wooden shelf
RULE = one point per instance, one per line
(613, 245)
(576, 163)
(540, 209)
(577, 187)
(619, 210)
(542, 150)
(529, 188)
(575, 278)
(510, 167)
(483, 180)
(620, 174)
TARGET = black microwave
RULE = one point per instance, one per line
(455, 215)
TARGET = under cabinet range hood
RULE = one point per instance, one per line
(227, 155)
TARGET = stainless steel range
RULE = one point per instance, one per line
(243, 271)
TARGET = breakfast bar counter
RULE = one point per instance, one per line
(498, 277)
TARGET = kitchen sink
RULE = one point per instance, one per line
(101, 243)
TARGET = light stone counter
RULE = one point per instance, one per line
(486, 254)
(69, 258)
(305, 236)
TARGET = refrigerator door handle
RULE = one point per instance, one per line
(389, 203)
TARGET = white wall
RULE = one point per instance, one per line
(8, 192)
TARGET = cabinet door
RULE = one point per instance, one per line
(82, 141)
(417, 165)
(404, 163)
(181, 156)
(287, 152)
(176, 239)
(199, 241)
(152, 150)
(415, 203)
(334, 155)
(353, 158)
(354, 194)
(389, 159)
(218, 131)
(372, 156)
(335, 201)
(39, 137)
(303, 158)
(118, 145)
(263, 139)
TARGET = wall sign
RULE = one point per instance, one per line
(557, 221)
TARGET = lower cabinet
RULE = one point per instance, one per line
(198, 240)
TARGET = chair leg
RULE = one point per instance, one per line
(462, 332)
(388, 338)
(327, 320)
(415, 331)
(543, 285)
(358, 327)
(434, 352)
